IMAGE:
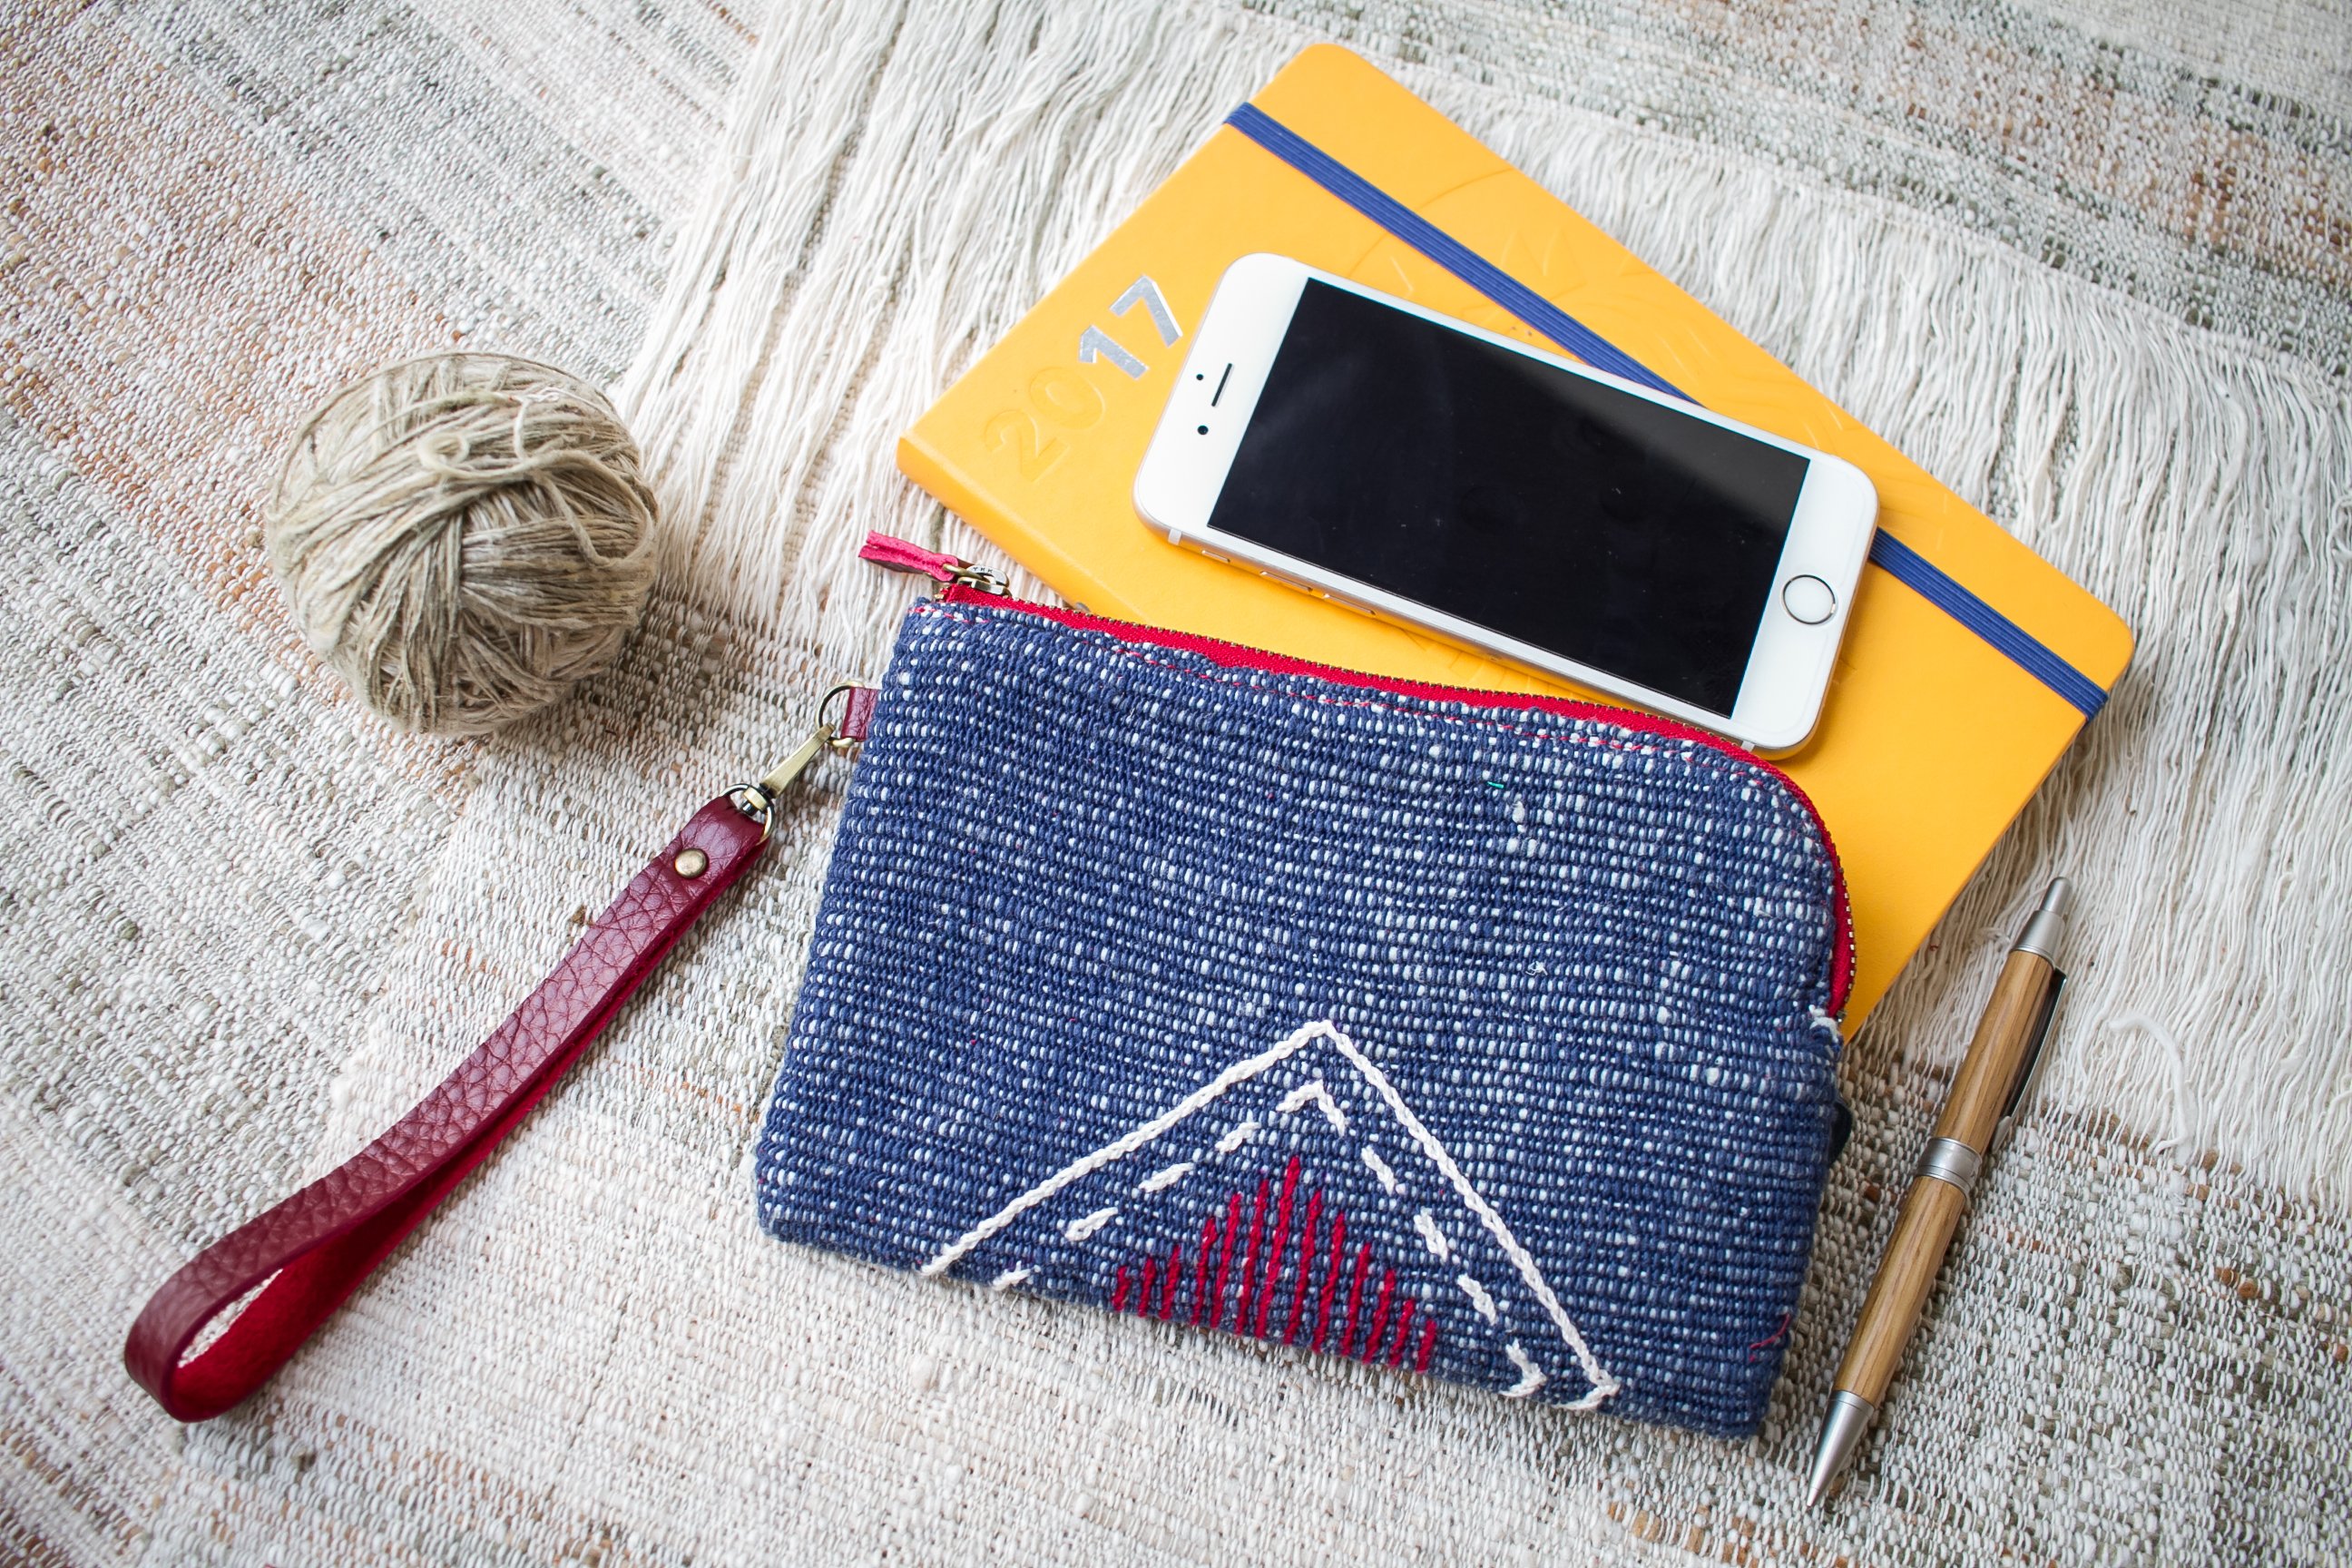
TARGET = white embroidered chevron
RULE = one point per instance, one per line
(1315, 1093)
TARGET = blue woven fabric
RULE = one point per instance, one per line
(1488, 1043)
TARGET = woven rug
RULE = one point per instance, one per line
(2091, 264)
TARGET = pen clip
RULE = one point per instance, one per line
(2032, 1076)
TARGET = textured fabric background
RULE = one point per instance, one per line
(2089, 263)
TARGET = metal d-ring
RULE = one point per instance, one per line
(834, 738)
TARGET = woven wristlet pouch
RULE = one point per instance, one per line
(1460, 1032)
(1473, 1035)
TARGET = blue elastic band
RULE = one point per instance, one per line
(1898, 560)
(1924, 577)
(1442, 248)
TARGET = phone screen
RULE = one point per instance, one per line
(1480, 482)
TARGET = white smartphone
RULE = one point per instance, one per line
(1413, 467)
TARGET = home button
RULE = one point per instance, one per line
(1808, 599)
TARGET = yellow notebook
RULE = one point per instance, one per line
(1970, 663)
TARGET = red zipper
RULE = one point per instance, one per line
(963, 584)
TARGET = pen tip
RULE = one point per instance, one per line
(1842, 1429)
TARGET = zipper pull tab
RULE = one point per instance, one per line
(900, 555)
(758, 800)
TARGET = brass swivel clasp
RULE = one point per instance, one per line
(758, 800)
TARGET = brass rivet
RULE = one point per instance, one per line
(691, 863)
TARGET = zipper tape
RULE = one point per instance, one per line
(1888, 553)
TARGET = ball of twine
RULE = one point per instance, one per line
(463, 537)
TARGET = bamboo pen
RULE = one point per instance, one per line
(1994, 1077)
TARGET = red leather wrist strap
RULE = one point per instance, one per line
(312, 1251)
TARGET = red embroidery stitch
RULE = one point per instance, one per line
(1330, 1277)
(1226, 1259)
(1200, 1281)
(1774, 1337)
(1305, 1267)
(1403, 1327)
(1399, 1332)
(1275, 1251)
(1370, 1349)
(1250, 1254)
(1356, 1295)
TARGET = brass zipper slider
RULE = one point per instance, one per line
(946, 571)
(844, 734)
(967, 576)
